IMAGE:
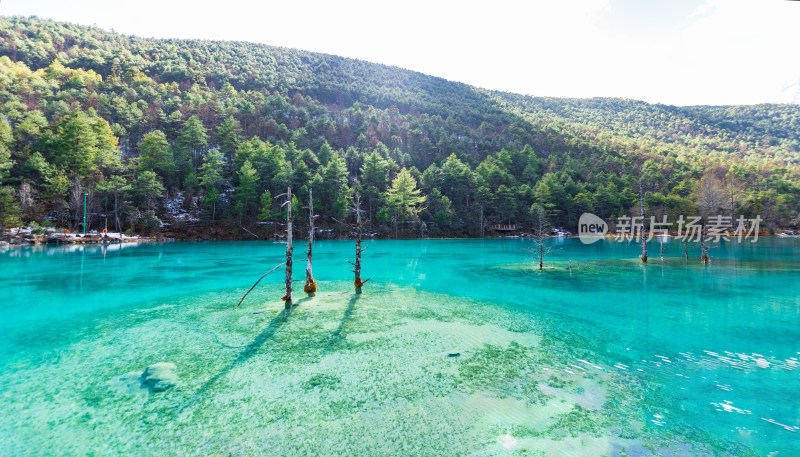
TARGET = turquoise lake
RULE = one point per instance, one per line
(608, 357)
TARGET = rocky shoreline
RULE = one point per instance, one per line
(27, 238)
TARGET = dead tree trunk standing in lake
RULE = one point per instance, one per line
(703, 246)
(710, 198)
(356, 208)
(641, 229)
(311, 284)
(288, 297)
(358, 283)
(540, 228)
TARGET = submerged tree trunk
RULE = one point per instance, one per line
(311, 284)
(541, 253)
(686, 249)
(703, 247)
(288, 297)
(540, 227)
(641, 230)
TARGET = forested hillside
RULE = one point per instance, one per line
(205, 133)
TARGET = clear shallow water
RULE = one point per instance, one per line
(610, 358)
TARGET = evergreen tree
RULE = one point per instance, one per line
(211, 179)
(192, 142)
(246, 195)
(9, 209)
(147, 189)
(229, 137)
(333, 192)
(374, 173)
(456, 181)
(403, 199)
(5, 150)
(82, 144)
(155, 154)
(211, 172)
(325, 153)
(265, 204)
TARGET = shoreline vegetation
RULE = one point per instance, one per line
(27, 236)
(193, 139)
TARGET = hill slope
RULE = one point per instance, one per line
(152, 128)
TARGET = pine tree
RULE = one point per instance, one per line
(211, 179)
(192, 142)
(9, 210)
(246, 195)
(155, 154)
(148, 189)
(403, 199)
(229, 137)
(5, 150)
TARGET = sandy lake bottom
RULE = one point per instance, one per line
(410, 367)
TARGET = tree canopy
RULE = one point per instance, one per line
(210, 128)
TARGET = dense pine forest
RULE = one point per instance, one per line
(195, 138)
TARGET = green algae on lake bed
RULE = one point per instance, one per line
(370, 374)
(311, 383)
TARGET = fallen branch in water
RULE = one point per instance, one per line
(259, 280)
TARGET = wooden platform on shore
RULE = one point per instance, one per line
(504, 228)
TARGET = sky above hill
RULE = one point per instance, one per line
(682, 52)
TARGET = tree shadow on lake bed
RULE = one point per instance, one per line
(249, 351)
(337, 334)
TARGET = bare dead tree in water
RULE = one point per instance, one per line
(710, 198)
(703, 245)
(641, 229)
(358, 226)
(540, 228)
(311, 284)
(357, 282)
(287, 299)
